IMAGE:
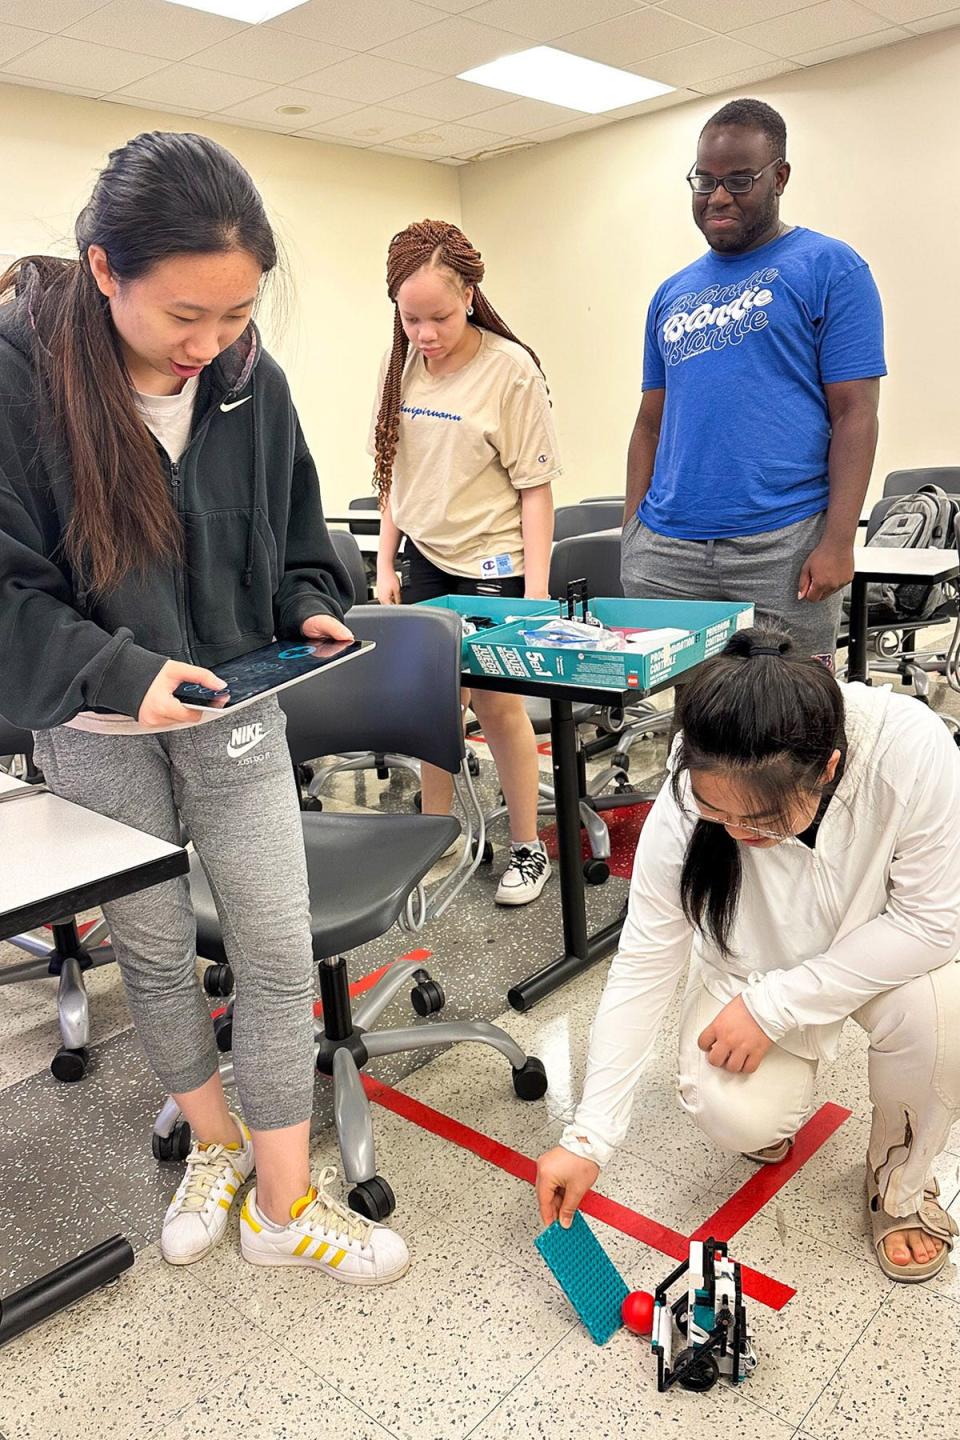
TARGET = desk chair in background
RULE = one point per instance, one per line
(61, 953)
(366, 873)
(587, 518)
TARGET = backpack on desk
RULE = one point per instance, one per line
(926, 518)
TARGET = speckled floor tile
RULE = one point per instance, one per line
(899, 1378)
(122, 1362)
(440, 1347)
(275, 1397)
(607, 1392)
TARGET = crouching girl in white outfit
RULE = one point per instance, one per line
(805, 855)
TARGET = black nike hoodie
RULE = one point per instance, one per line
(257, 561)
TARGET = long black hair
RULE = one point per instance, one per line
(160, 195)
(768, 718)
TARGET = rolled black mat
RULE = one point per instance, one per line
(64, 1286)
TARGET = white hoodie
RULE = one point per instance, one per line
(817, 933)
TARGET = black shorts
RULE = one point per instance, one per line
(420, 580)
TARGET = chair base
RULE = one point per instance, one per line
(344, 1044)
(66, 958)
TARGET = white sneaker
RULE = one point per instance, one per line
(524, 877)
(197, 1215)
(324, 1235)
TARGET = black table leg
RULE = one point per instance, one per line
(857, 645)
(580, 949)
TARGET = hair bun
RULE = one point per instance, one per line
(757, 641)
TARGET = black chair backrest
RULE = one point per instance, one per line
(603, 499)
(348, 553)
(14, 741)
(879, 511)
(906, 482)
(359, 527)
(594, 558)
(403, 696)
(587, 519)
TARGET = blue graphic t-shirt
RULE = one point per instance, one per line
(743, 345)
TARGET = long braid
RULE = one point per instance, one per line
(438, 244)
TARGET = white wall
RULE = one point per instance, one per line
(334, 209)
(577, 235)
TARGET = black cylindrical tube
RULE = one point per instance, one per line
(64, 1286)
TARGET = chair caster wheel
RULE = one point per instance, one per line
(382, 772)
(223, 1031)
(218, 980)
(311, 804)
(596, 872)
(304, 776)
(418, 801)
(473, 764)
(530, 1081)
(175, 1146)
(69, 1066)
(373, 1199)
(427, 997)
(486, 857)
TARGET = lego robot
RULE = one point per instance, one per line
(710, 1318)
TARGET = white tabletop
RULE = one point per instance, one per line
(56, 856)
(876, 562)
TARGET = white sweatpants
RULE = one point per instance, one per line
(914, 1074)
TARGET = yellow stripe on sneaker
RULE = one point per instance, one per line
(245, 1215)
(303, 1246)
(340, 1255)
(231, 1190)
(224, 1204)
(320, 1251)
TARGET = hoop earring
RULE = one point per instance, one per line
(469, 309)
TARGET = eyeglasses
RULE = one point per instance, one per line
(697, 814)
(733, 184)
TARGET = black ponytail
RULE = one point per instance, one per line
(761, 714)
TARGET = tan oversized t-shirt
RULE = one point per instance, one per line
(469, 443)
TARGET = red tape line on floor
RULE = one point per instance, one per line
(669, 1242)
(359, 987)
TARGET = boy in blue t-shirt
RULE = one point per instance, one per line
(752, 451)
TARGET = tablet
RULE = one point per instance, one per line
(263, 672)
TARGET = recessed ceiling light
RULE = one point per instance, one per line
(293, 109)
(564, 79)
(252, 12)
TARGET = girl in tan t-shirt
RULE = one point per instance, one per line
(465, 453)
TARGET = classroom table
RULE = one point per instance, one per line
(875, 564)
(58, 859)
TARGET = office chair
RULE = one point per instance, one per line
(364, 527)
(907, 482)
(348, 553)
(604, 499)
(569, 520)
(366, 872)
(68, 954)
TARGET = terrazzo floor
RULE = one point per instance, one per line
(476, 1340)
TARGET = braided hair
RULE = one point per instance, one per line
(439, 245)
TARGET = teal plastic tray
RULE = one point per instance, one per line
(505, 651)
(492, 607)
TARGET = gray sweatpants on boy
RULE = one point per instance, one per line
(764, 569)
(230, 783)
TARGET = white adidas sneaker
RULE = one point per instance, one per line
(197, 1215)
(524, 877)
(324, 1235)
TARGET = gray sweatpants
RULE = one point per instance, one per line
(764, 569)
(230, 783)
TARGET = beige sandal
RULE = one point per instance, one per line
(771, 1154)
(931, 1218)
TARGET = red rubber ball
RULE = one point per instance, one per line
(637, 1312)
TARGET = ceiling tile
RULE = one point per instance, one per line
(452, 46)
(522, 116)
(60, 88)
(825, 24)
(742, 79)
(117, 98)
(14, 41)
(151, 27)
(357, 24)
(453, 7)
(93, 67)
(365, 78)
(632, 37)
(936, 22)
(721, 56)
(658, 102)
(853, 47)
(274, 55)
(450, 99)
(192, 86)
(326, 139)
(49, 15)
(725, 15)
(903, 11)
(572, 127)
(546, 19)
(264, 108)
(374, 125)
(448, 140)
